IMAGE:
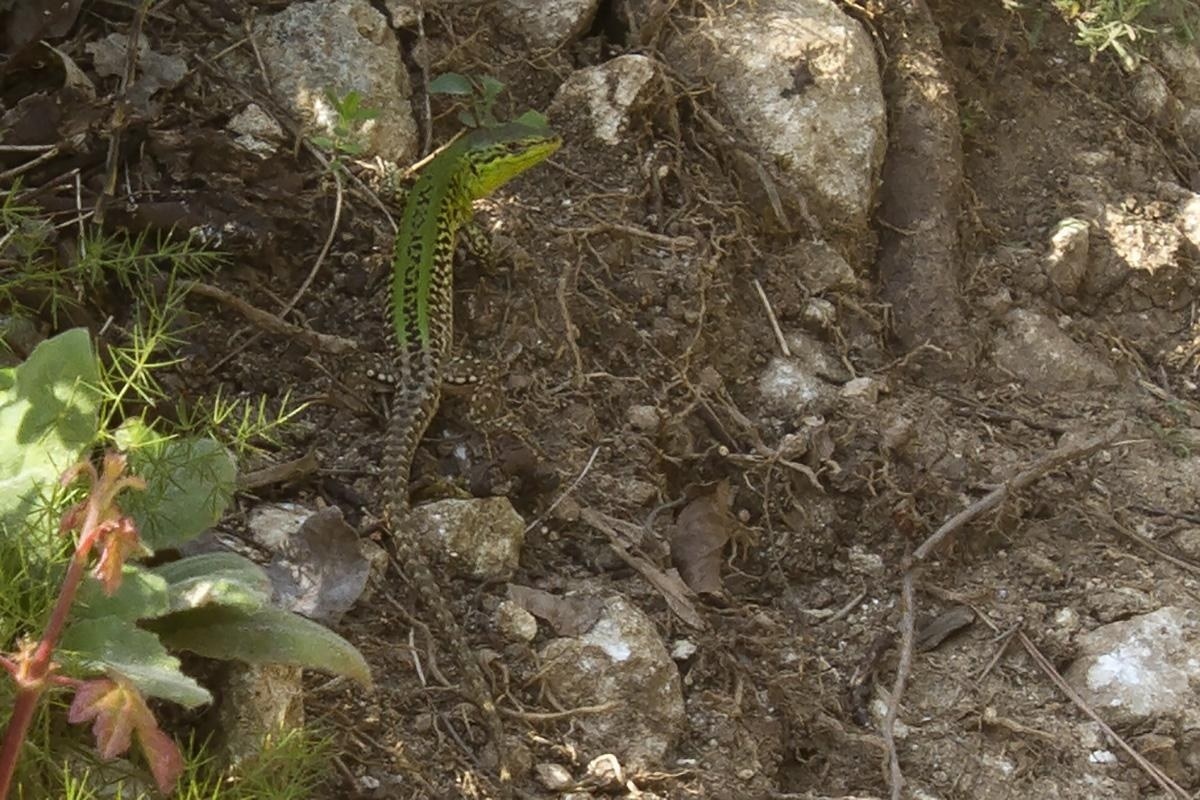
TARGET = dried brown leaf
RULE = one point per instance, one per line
(698, 540)
(569, 616)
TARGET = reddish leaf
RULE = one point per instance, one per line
(164, 758)
(119, 540)
(120, 711)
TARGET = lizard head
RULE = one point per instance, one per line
(497, 155)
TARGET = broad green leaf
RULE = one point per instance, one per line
(491, 88)
(48, 418)
(115, 644)
(189, 482)
(534, 119)
(451, 83)
(225, 579)
(468, 119)
(267, 636)
(142, 595)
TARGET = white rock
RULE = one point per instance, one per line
(480, 537)
(340, 46)
(813, 371)
(801, 78)
(644, 418)
(788, 387)
(621, 660)
(554, 777)
(549, 23)
(403, 13)
(819, 313)
(1141, 670)
(1033, 348)
(865, 563)
(1067, 261)
(1189, 220)
(683, 649)
(610, 92)
(865, 388)
(515, 622)
(1141, 244)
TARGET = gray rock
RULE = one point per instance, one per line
(821, 269)
(621, 660)
(1150, 96)
(801, 79)
(1034, 349)
(1180, 63)
(1141, 670)
(610, 92)
(256, 130)
(1067, 261)
(549, 23)
(481, 538)
(340, 46)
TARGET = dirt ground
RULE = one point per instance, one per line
(592, 323)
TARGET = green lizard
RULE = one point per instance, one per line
(472, 167)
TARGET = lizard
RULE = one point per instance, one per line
(421, 311)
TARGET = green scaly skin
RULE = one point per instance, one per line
(422, 314)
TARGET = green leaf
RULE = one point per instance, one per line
(267, 636)
(468, 119)
(142, 595)
(115, 644)
(451, 83)
(491, 88)
(48, 419)
(225, 579)
(189, 482)
(534, 119)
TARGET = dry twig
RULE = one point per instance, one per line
(267, 321)
(907, 634)
(1021, 480)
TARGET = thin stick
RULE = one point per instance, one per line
(574, 485)
(1157, 775)
(1118, 528)
(121, 111)
(1020, 481)
(560, 294)
(553, 716)
(272, 323)
(762, 295)
(312, 273)
(682, 242)
(907, 627)
(21, 169)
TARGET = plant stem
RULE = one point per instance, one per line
(32, 673)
